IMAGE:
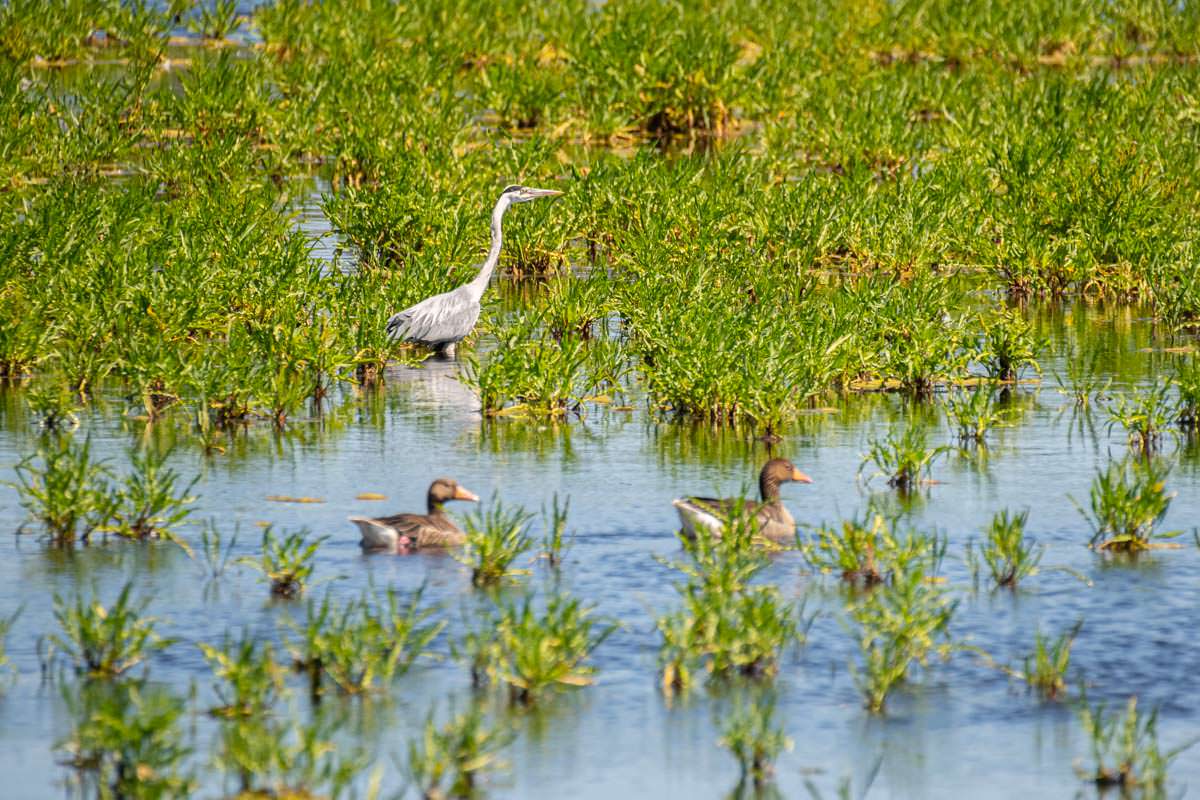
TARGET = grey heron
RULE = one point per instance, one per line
(442, 321)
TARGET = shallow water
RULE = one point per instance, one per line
(962, 727)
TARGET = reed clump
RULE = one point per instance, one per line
(531, 651)
(1125, 750)
(1008, 554)
(127, 740)
(752, 736)
(904, 458)
(106, 641)
(287, 561)
(364, 645)
(1127, 501)
(1046, 668)
(496, 537)
(451, 759)
(727, 627)
(900, 624)
(867, 552)
(249, 680)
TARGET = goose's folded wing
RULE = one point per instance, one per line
(719, 507)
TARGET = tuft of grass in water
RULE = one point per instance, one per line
(752, 736)
(106, 641)
(553, 542)
(6, 626)
(496, 537)
(286, 563)
(901, 623)
(973, 414)
(65, 490)
(1009, 344)
(1046, 667)
(1009, 556)
(363, 646)
(153, 503)
(54, 404)
(1127, 501)
(127, 740)
(249, 679)
(904, 459)
(449, 760)
(1145, 414)
(266, 757)
(1082, 382)
(867, 552)
(532, 652)
(1186, 379)
(727, 627)
(1125, 750)
(217, 551)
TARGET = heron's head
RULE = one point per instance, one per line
(523, 194)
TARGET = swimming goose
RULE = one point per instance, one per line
(403, 532)
(772, 520)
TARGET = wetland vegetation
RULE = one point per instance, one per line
(857, 235)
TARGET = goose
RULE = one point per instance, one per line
(403, 532)
(771, 519)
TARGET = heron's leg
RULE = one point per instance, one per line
(446, 351)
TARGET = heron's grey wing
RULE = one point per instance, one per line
(442, 318)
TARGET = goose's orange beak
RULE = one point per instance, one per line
(800, 477)
(463, 494)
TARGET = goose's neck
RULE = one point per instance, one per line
(480, 284)
(768, 489)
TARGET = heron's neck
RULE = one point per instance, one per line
(480, 284)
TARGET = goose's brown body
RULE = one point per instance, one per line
(709, 515)
(404, 532)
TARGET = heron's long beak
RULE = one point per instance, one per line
(534, 193)
(800, 477)
(462, 494)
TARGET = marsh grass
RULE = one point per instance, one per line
(496, 537)
(1125, 750)
(900, 624)
(1127, 501)
(286, 563)
(364, 645)
(1009, 556)
(727, 627)
(972, 415)
(866, 552)
(249, 679)
(127, 740)
(538, 651)
(106, 641)
(6, 625)
(904, 459)
(1082, 380)
(66, 491)
(1046, 667)
(1186, 379)
(1145, 414)
(553, 542)
(752, 736)
(449, 760)
(217, 551)
(1009, 344)
(153, 500)
(269, 757)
